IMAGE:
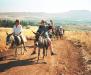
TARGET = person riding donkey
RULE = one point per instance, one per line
(16, 39)
(43, 28)
(53, 28)
(17, 33)
(61, 31)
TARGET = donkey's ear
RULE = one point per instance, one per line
(7, 33)
(38, 33)
(34, 33)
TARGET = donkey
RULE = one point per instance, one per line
(59, 32)
(10, 40)
(42, 43)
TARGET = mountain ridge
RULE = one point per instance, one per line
(73, 15)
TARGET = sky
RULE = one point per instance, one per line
(48, 6)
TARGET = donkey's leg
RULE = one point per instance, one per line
(22, 41)
(21, 49)
(60, 36)
(38, 54)
(16, 52)
(24, 47)
(46, 47)
(43, 52)
(53, 37)
(46, 50)
(57, 36)
(22, 52)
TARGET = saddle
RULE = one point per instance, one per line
(18, 40)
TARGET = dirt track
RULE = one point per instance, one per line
(68, 61)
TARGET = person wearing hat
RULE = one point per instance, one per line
(51, 22)
(43, 28)
(60, 27)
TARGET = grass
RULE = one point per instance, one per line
(82, 36)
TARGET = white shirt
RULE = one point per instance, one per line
(17, 29)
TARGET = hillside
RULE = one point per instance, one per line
(82, 16)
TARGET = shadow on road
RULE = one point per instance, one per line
(6, 66)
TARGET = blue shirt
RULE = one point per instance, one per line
(43, 29)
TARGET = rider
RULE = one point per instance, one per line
(61, 29)
(43, 28)
(53, 27)
(17, 31)
(50, 30)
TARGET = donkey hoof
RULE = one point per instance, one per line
(22, 53)
(37, 61)
(53, 53)
(15, 56)
(25, 50)
(43, 57)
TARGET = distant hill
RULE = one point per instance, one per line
(74, 16)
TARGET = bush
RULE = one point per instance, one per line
(10, 23)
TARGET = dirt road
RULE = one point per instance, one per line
(68, 61)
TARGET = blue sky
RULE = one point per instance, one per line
(49, 6)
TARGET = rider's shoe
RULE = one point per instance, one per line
(52, 53)
(34, 52)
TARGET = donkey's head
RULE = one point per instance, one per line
(37, 35)
(8, 39)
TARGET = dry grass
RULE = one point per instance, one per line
(86, 51)
(81, 36)
(70, 35)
